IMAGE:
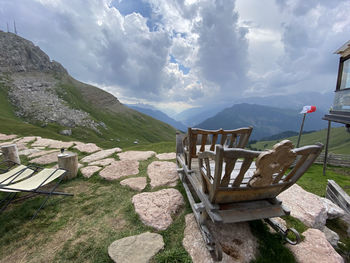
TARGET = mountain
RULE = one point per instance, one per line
(159, 115)
(39, 95)
(265, 120)
(294, 101)
(195, 115)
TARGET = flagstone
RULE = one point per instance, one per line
(135, 183)
(52, 143)
(45, 159)
(99, 155)
(136, 155)
(88, 171)
(166, 156)
(41, 152)
(103, 162)
(162, 173)
(119, 169)
(156, 208)
(86, 147)
(4, 137)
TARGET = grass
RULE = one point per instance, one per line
(123, 128)
(339, 141)
(80, 228)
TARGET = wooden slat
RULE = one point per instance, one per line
(245, 166)
(203, 142)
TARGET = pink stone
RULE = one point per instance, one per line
(119, 169)
(88, 171)
(166, 156)
(136, 183)
(162, 173)
(155, 208)
(136, 155)
(315, 249)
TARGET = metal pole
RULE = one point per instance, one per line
(301, 129)
(326, 150)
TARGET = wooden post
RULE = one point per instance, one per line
(69, 162)
(11, 153)
(326, 150)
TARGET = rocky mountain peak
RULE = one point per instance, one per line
(20, 55)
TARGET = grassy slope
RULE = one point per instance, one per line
(339, 140)
(125, 127)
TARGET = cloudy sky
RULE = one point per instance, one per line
(182, 53)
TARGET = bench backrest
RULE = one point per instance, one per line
(198, 140)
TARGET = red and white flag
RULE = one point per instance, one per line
(308, 109)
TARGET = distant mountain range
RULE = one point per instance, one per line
(157, 114)
(265, 120)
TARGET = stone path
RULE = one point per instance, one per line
(135, 183)
(136, 155)
(162, 174)
(138, 249)
(100, 155)
(120, 169)
(166, 156)
(88, 171)
(155, 208)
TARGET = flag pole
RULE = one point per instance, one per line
(301, 129)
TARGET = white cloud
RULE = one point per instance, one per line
(232, 48)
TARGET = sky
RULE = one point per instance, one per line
(184, 53)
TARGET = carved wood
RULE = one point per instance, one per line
(69, 162)
(271, 162)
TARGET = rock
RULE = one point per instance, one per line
(103, 162)
(46, 159)
(140, 248)
(162, 173)
(136, 183)
(88, 171)
(304, 206)
(28, 151)
(155, 208)
(333, 211)
(99, 155)
(52, 143)
(166, 156)
(279, 221)
(236, 240)
(86, 147)
(119, 169)
(315, 249)
(136, 155)
(26, 139)
(345, 219)
(4, 137)
(331, 236)
(40, 153)
(66, 132)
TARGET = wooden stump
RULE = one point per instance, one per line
(10, 153)
(69, 162)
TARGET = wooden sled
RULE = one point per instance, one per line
(227, 184)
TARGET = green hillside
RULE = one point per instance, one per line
(122, 128)
(339, 141)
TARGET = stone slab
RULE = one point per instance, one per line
(46, 159)
(136, 155)
(315, 249)
(88, 171)
(136, 249)
(162, 173)
(166, 156)
(99, 155)
(136, 183)
(86, 147)
(103, 162)
(305, 206)
(120, 169)
(155, 208)
(5, 137)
